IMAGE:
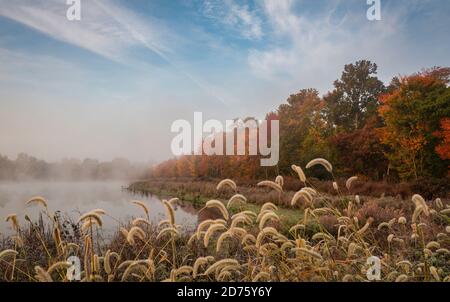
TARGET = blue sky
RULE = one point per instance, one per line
(111, 84)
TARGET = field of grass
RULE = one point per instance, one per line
(199, 193)
(290, 236)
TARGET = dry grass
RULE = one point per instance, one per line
(331, 242)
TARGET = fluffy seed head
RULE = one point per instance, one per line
(402, 278)
(237, 198)
(311, 191)
(218, 205)
(203, 225)
(322, 236)
(433, 245)
(139, 220)
(307, 252)
(271, 184)
(42, 275)
(445, 212)
(419, 201)
(366, 226)
(416, 214)
(174, 200)
(320, 161)
(8, 253)
(297, 227)
(142, 205)
(99, 211)
(38, 200)
(226, 182)
(240, 219)
(266, 217)
(303, 193)
(434, 273)
(301, 174)
(439, 203)
(133, 233)
(170, 230)
(14, 221)
(198, 263)
(170, 212)
(222, 238)
(57, 266)
(221, 263)
(267, 231)
(211, 230)
(279, 180)
(91, 216)
(261, 276)
(248, 238)
(390, 237)
(348, 183)
(335, 186)
(268, 206)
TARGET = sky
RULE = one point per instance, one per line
(111, 84)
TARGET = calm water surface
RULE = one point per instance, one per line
(73, 198)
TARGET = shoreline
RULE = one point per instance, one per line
(192, 194)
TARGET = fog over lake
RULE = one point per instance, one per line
(73, 198)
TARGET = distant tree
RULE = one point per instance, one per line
(28, 167)
(354, 98)
(300, 128)
(7, 168)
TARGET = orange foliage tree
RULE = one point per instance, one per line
(412, 112)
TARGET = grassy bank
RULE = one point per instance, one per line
(246, 239)
(199, 192)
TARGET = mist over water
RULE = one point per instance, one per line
(75, 198)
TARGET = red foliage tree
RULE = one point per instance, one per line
(443, 149)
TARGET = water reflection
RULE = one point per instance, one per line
(73, 198)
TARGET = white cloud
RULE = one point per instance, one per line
(95, 32)
(238, 17)
(313, 50)
(106, 28)
(281, 17)
(251, 25)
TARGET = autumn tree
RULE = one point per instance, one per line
(412, 113)
(443, 149)
(300, 128)
(360, 152)
(354, 98)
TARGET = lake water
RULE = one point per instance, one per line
(73, 198)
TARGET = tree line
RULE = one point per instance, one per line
(26, 167)
(394, 132)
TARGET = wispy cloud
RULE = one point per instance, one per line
(107, 28)
(236, 16)
(318, 44)
(96, 32)
(142, 34)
